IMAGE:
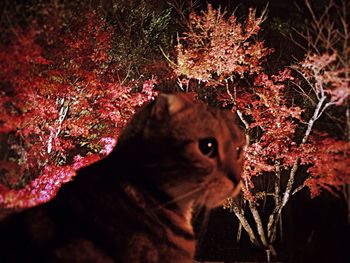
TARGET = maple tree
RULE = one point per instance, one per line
(214, 47)
(61, 106)
(64, 98)
(224, 54)
(326, 67)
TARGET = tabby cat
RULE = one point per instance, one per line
(135, 206)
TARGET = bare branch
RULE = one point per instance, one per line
(245, 224)
(258, 223)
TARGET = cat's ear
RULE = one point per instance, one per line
(168, 104)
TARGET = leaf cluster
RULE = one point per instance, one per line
(216, 48)
(60, 98)
(226, 55)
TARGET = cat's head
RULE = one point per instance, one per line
(188, 149)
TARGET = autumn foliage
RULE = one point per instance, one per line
(282, 141)
(215, 47)
(222, 49)
(61, 107)
(63, 103)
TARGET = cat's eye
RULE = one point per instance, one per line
(208, 147)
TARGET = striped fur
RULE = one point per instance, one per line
(135, 206)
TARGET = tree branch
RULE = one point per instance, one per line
(245, 224)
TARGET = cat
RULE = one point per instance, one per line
(136, 205)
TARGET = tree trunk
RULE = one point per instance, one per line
(245, 224)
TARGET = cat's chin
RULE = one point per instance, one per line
(236, 190)
(214, 203)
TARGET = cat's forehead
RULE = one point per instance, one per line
(200, 121)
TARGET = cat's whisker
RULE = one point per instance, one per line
(138, 204)
(202, 200)
(181, 197)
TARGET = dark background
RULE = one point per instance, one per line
(314, 230)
